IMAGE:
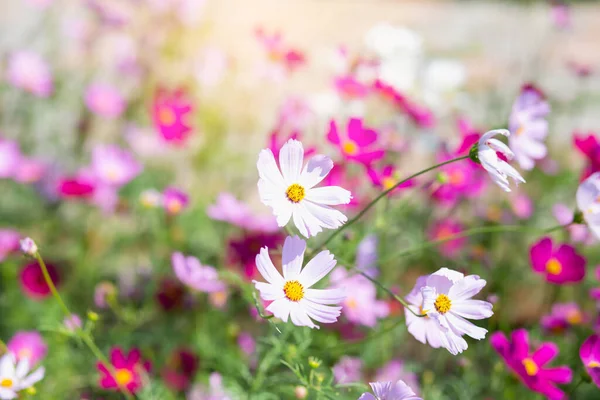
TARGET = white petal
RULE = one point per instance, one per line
(367, 396)
(588, 191)
(321, 313)
(7, 394)
(22, 368)
(317, 268)
(315, 170)
(429, 295)
(269, 292)
(453, 343)
(489, 134)
(326, 296)
(300, 215)
(299, 316)
(329, 195)
(292, 257)
(268, 170)
(7, 365)
(280, 309)
(291, 158)
(32, 379)
(501, 147)
(267, 269)
(473, 309)
(463, 327)
(466, 288)
(326, 216)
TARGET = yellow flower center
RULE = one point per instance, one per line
(351, 303)
(442, 304)
(530, 366)
(174, 206)
(388, 182)
(593, 364)
(520, 130)
(6, 383)
(574, 317)
(293, 290)
(295, 193)
(444, 233)
(123, 377)
(456, 177)
(553, 266)
(166, 116)
(25, 353)
(350, 147)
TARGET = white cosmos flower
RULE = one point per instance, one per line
(447, 299)
(588, 202)
(498, 169)
(291, 294)
(390, 391)
(291, 192)
(13, 376)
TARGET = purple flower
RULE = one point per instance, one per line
(10, 157)
(528, 126)
(390, 391)
(247, 343)
(28, 71)
(563, 316)
(28, 345)
(347, 370)
(229, 209)
(191, 272)
(590, 357)
(114, 166)
(104, 100)
(531, 367)
(395, 371)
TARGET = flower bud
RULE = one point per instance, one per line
(28, 246)
(301, 392)
(92, 316)
(314, 362)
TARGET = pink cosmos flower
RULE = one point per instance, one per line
(174, 200)
(191, 272)
(350, 88)
(589, 146)
(30, 170)
(114, 166)
(75, 187)
(282, 59)
(348, 369)
(10, 158)
(390, 391)
(394, 371)
(360, 305)
(531, 367)
(28, 71)
(180, 369)
(278, 139)
(561, 15)
(446, 228)
(9, 242)
(339, 176)
(170, 114)
(73, 322)
(420, 115)
(229, 209)
(358, 144)
(246, 343)
(128, 371)
(104, 100)
(563, 316)
(295, 115)
(522, 206)
(387, 177)
(243, 250)
(560, 265)
(579, 233)
(590, 357)
(457, 181)
(28, 345)
(33, 283)
(528, 126)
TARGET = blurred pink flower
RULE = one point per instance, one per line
(75, 187)
(360, 305)
(395, 370)
(457, 181)
(295, 114)
(10, 158)
(563, 316)
(246, 343)
(444, 229)
(560, 265)
(174, 200)
(114, 166)
(397, 390)
(73, 322)
(531, 367)
(560, 14)
(9, 242)
(33, 283)
(180, 368)
(229, 209)
(529, 127)
(282, 58)
(242, 250)
(348, 370)
(350, 88)
(191, 272)
(30, 170)
(589, 352)
(386, 177)
(170, 114)
(589, 146)
(579, 233)
(522, 206)
(104, 100)
(128, 369)
(28, 345)
(420, 115)
(358, 143)
(28, 71)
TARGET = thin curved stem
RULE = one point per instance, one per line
(394, 295)
(51, 285)
(467, 233)
(379, 197)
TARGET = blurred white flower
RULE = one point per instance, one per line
(388, 41)
(291, 294)
(14, 378)
(487, 153)
(447, 300)
(588, 202)
(291, 192)
(390, 391)
(441, 80)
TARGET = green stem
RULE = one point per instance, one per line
(469, 232)
(394, 295)
(572, 391)
(50, 284)
(382, 195)
(3, 348)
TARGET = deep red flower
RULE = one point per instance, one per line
(180, 369)
(243, 250)
(126, 371)
(170, 294)
(75, 188)
(33, 283)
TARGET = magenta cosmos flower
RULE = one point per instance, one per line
(9, 242)
(590, 357)
(243, 250)
(33, 283)
(170, 113)
(104, 100)
(386, 177)
(589, 146)
(528, 126)
(531, 367)
(128, 370)
(191, 272)
(563, 316)
(560, 265)
(444, 229)
(358, 143)
(421, 116)
(28, 71)
(114, 166)
(174, 200)
(457, 180)
(28, 345)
